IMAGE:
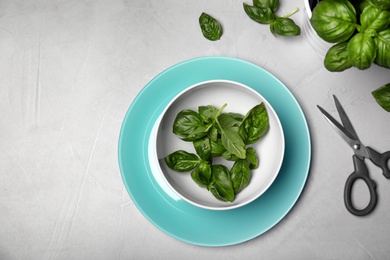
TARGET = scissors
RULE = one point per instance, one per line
(347, 132)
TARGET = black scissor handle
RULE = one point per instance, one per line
(381, 160)
(361, 172)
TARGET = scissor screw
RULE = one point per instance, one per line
(356, 146)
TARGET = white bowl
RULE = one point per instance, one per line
(239, 99)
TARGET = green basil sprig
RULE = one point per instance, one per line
(216, 134)
(361, 33)
(263, 11)
(211, 28)
(382, 96)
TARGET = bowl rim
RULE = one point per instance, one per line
(250, 199)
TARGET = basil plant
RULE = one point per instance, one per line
(360, 31)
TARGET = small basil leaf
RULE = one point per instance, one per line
(361, 51)
(211, 28)
(233, 142)
(213, 133)
(381, 4)
(260, 15)
(230, 119)
(382, 42)
(252, 158)
(188, 125)
(336, 59)
(272, 4)
(207, 113)
(255, 124)
(228, 127)
(182, 161)
(375, 19)
(229, 156)
(285, 27)
(203, 148)
(240, 175)
(202, 175)
(222, 187)
(334, 20)
(382, 96)
(217, 148)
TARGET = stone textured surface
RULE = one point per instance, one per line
(70, 70)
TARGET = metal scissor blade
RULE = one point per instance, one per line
(344, 118)
(351, 140)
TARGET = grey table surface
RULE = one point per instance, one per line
(71, 69)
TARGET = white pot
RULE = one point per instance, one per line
(318, 44)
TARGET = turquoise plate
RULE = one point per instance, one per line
(180, 219)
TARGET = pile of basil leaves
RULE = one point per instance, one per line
(360, 30)
(224, 135)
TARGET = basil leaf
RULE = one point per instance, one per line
(272, 4)
(334, 20)
(229, 156)
(202, 175)
(207, 113)
(361, 51)
(233, 142)
(255, 125)
(188, 125)
(381, 4)
(285, 27)
(336, 59)
(260, 15)
(382, 96)
(230, 119)
(222, 187)
(182, 161)
(382, 42)
(240, 175)
(217, 148)
(213, 133)
(252, 158)
(203, 148)
(228, 126)
(375, 19)
(211, 28)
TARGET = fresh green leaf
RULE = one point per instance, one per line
(188, 125)
(284, 27)
(202, 175)
(261, 15)
(361, 51)
(272, 4)
(382, 42)
(203, 148)
(229, 156)
(228, 127)
(336, 59)
(222, 187)
(375, 19)
(334, 20)
(255, 124)
(217, 148)
(182, 161)
(211, 28)
(207, 113)
(233, 142)
(230, 119)
(381, 4)
(240, 175)
(252, 158)
(382, 96)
